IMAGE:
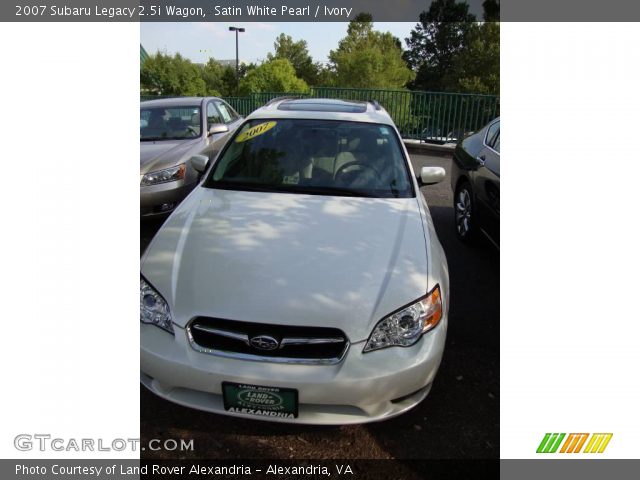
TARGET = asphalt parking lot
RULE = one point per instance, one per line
(459, 418)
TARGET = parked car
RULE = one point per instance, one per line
(172, 131)
(475, 180)
(302, 280)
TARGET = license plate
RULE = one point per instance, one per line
(272, 402)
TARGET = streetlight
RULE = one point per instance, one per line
(237, 29)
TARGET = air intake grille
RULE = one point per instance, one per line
(266, 342)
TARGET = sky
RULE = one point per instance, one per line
(201, 41)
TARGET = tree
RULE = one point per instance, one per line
(275, 76)
(229, 81)
(491, 10)
(246, 68)
(166, 75)
(213, 76)
(435, 43)
(476, 69)
(221, 79)
(298, 54)
(366, 58)
(326, 76)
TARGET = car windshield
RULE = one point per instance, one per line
(169, 123)
(321, 157)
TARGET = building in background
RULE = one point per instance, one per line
(230, 63)
(224, 63)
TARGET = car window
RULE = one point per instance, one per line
(492, 131)
(224, 111)
(213, 116)
(496, 143)
(234, 115)
(169, 123)
(323, 157)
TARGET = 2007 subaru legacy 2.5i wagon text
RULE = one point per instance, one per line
(302, 280)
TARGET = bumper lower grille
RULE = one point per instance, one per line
(266, 342)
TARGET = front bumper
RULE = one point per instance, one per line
(362, 388)
(163, 198)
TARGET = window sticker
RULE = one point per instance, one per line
(291, 179)
(384, 130)
(255, 131)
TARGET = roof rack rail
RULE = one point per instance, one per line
(286, 97)
(375, 104)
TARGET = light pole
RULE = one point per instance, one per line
(240, 30)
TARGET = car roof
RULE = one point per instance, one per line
(323, 109)
(176, 102)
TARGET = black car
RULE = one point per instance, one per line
(475, 180)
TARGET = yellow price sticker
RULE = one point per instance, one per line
(255, 131)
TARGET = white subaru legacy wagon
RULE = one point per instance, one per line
(302, 280)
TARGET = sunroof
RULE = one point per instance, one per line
(320, 106)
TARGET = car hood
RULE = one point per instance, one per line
(164, 154)
(289, 259)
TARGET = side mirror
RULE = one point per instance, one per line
(431, 175)
(199, 163)
(218, 128)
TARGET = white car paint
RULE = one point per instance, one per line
(294, 259)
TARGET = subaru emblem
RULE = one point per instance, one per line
(264, 342)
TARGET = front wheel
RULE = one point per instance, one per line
(464, 212)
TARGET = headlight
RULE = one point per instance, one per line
(407, 325)
(163, 176)
(153, 308)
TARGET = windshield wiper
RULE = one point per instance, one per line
(243, 186)
(300, 189)
(337, 191)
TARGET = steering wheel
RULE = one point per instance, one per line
(359, 167)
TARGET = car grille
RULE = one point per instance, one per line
(266, 342)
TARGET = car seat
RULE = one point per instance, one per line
(322, 149)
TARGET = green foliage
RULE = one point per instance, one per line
(166, 75)
(450, 51)
(230, 80)
(436, 41)
(491, 10)
(246, 68)
(212, 74)
(477, 68)
(221, 79)
(298, 54)
(277, 75)
(326, 77)
(366, 58)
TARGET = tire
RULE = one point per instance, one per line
(464, 213)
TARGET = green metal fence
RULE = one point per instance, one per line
(436, 117)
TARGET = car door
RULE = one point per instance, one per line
(487, 183)
(216, 140)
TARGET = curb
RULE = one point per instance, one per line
(429, 148)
